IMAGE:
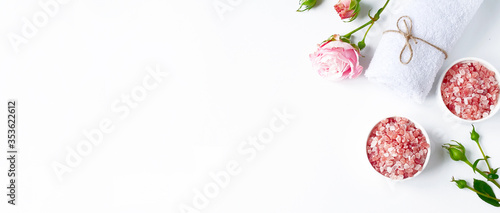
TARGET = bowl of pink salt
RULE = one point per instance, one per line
(469, 90)
(398, 148)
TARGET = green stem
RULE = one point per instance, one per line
(376, 17)
(383, 8)
(366, 33)
(371, 23)
(482, 194)
(484, 156)
(483, 174)
(348, 35)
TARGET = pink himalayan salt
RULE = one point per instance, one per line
(470, 90)
(396, 148)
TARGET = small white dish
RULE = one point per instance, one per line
(439, 96)
(418, 126)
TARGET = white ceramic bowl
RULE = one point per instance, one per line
(426, 158)
(441, 102)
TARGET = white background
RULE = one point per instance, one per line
(228, 72)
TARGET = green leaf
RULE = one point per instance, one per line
(377, 15)
(355, 46)
(356, 8)
(353, 4)
(492, 176)
(475, 164)
(344, 39)
(484, 188)
(372, 18)
(495, 171)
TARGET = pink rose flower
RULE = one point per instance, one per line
(336, 60)
(347, 9)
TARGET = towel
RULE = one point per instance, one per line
(441, 23)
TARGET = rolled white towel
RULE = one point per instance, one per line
(440, 23)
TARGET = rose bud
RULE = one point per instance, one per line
(460, 183)
(336, 59)
(306, 5)
(474, 135)
(348, 10)
(457, 152)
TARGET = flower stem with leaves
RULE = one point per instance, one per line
(481, 188)
(370, 23)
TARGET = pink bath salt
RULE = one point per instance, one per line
(396, 148)
(470, 90)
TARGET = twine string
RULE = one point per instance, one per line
(409, 36)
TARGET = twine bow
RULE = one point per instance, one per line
(409, 36)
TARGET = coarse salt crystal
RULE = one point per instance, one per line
(457, 109)
(389, 169)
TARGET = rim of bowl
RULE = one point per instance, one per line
(485, 64)
(426, 139)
